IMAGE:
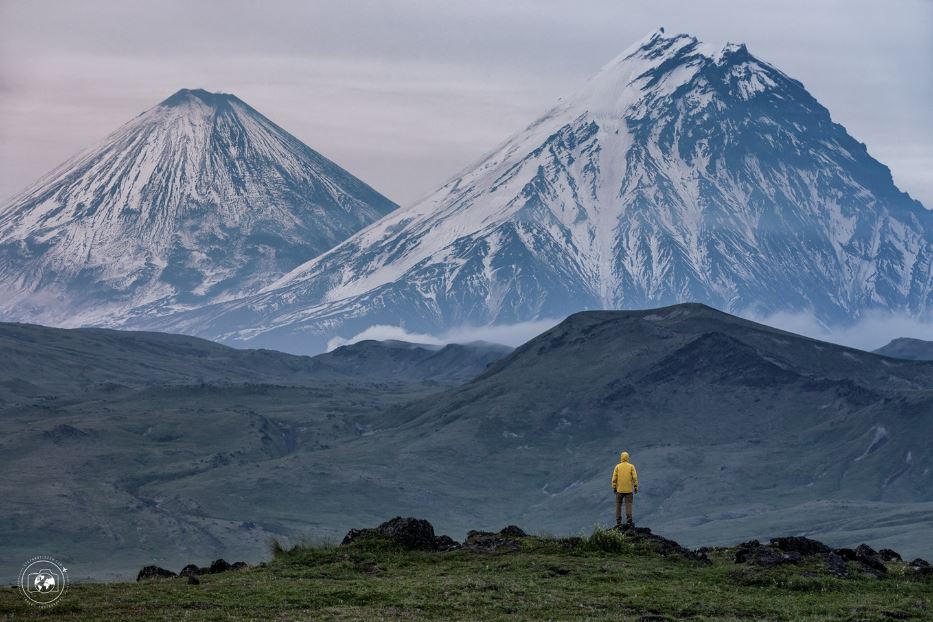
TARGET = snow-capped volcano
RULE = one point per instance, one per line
(678, 173)
(197, 200)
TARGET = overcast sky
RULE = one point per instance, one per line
(406, 93)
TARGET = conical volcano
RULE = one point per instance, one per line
(198, 200)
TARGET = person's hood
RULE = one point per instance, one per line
(624, 456)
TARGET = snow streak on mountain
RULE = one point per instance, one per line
(198, 200)
(678, 173)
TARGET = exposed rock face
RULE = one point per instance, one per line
(154, 572)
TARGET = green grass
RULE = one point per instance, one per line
(607, 576)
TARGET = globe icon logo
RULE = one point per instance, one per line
(43, 580)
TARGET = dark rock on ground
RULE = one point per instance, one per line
(488, 542)
(409, 533)
(837, 565)
(889, 555)
(863, 550)
(445, 543)
(513, 531)
(193, 571)
(921, 567)
(801, 545)
(846, 554)
(219, 565)
(757, 554)
(662, 545)
(193, 580)
(870, 560)
(154, 572)
(239, 566)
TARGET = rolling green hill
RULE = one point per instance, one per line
(165, 455)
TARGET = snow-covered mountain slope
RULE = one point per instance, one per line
(678, 173)
(198, 200)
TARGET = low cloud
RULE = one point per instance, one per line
(506, 334)
(869, 333)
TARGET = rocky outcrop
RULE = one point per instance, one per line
(755, 553)
(409, 533)
(663, 546)
(800, 545)
(154, 572)
(793, 549)
(870, 561)
(192, 570)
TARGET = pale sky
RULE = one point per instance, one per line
(406, 93)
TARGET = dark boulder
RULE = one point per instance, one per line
(445, 543)
(154, 572)
(356, 534)
(801, 545)
(847, 554)
(513, 531)
(661, 545)
(192, 571)
(219, 566)
(193, 580)
(863, 550)
(836, 565)
(409, 533)
(889, 555)
(239, 566)
(921, 567)
(488, 542)
(870, 561)
(755, 553)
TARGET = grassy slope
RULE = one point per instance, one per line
(607, 576)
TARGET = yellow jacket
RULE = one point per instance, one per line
(624, 476)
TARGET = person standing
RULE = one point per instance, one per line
(624, 487)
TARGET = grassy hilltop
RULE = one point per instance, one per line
(609, 575)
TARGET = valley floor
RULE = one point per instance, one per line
(608, 576)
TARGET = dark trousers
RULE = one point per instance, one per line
(627, 497)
